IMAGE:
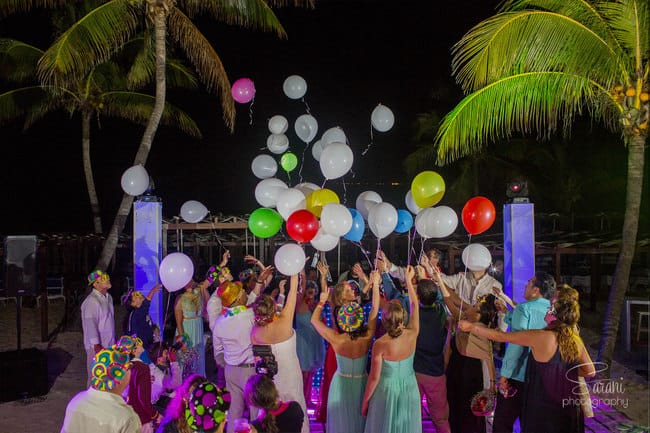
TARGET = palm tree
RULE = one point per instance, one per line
(535, 66)
(97, 35)
(102, 92)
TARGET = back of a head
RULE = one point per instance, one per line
(337, 293)
(427, 292)
(567, 313)
(260, 391)
(394, 318)
(546, 284)
(488, 311)
(156, 350)
(264, 309)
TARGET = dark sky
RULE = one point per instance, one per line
(353, 54)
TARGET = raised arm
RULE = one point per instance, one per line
(375, 280)
(323, 270)
(327, 333)
(153, 291)
(414, 320)
(286, 316)
(262, 278)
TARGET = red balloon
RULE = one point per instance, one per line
(302, 225)
(478, 215)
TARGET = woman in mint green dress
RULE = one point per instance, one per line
(351, 349)
(392, 401)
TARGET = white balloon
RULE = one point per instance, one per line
(324, 241)
(289, 201)
(306, 127)
(444, 222)
(335, 219)
(175, 271)
(332, 135)
(277, 143)
(264, 166)
(382, 219)
(365, 201)
(294, 87)
(289, 259)
(267, 191)
(316, 150)
(278, 124)
(135, 180)
(193, 211)
(424, 222)
(307, 188)
(382, 118)
(410, 203)
(336, 160)
(476, 257)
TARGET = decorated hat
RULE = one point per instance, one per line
(127, 343)
(350, 317)
(229, 291)
(206, 408)
(136, 295)
(109, 366)
(245, 274)
(97, 275)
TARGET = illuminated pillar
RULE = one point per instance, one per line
(518, 248)
(147, 251)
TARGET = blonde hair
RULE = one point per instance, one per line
(393, 319)
(337, 294)
(264, 310)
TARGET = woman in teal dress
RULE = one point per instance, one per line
(392, 401)
(351, 350)
(189, 327)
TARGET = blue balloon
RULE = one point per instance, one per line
(404, 221)
(358, 226)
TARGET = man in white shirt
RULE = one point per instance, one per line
(97, 317)
(101, 408)
(231, 339)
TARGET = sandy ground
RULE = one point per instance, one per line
(45, 414)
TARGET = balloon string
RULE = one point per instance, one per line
(465, 273)
(376, 254)
(306, 105)
(323, 185)
(369, 144)
(302, 161)
(289, 178)
(345, 191)
(365, 253)
(250, 111)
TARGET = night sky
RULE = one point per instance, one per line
(353, 54)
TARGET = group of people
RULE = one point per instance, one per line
(425, 333)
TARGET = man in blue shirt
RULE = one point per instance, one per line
(538, 292)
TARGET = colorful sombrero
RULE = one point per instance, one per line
(109, 366)
(206, 408)
(127, 343)
(350, 317)
(97, 275)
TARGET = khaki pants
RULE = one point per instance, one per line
(236, 378)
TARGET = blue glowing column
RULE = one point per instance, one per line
(518, 248)
(147, 252)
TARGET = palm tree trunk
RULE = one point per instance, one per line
(88, 171)
(635, 162)
(123, 211)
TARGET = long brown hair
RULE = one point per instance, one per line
(260, 391)
(567, 313)
(393, 318)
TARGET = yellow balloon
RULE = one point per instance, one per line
(427, 189)
(319, 198)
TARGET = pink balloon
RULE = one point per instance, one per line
(243, 90)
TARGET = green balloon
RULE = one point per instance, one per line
(264, 222)
(289, 162)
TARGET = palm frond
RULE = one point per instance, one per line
(30, 103)
(533, 40)
(255, 14)
(137, 107)
(10, 7)
(630, 22)
(18, 60)
(205, 59)
(90, 41)
(540, 102)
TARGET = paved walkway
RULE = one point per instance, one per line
(45, 414)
